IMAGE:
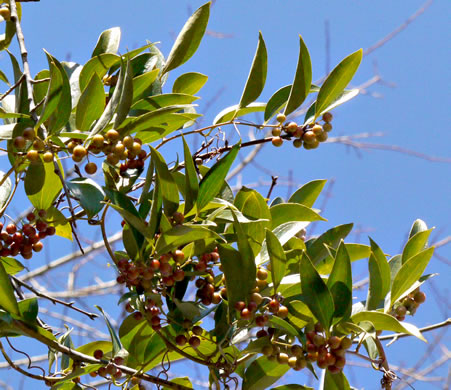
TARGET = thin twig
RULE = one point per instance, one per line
(12, 88)
(273, 184)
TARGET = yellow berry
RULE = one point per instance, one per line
(281, 118)
(327, 117)
(47, 157)
(112, 135)
(33, 155)
(277, 141)
(297, 143)
(90, 168)
(292, 127)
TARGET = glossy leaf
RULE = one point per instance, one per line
(416, 244)
(11, 265)
(287, 212)
(61, 224)
(20, 96)
(340, 284)
(212, 182)
(355, 251)
(302, 79)
(316, 249)
(257, 75)
(126, 95)
(168, 185)
(344, 97)
(379, 277)
(88, 193)
(262, 373)
(239, 272)
(7, 299)
(191, 179)
(315, 292)
(91, 104)
(97, 65)
(108, 42)
(337, 81)
(182, 381)
(334, 381)
(308, 193)
(143, 83)
(382, 321)
(277, 101)
(417, 226)
(410, 272)
(42, 184)
(277, 259)
(279, 323)
(189, 83)
(151, 103)
(5, 189)
(234, 111)
(188, 39)
(118, 350)
(182, 234)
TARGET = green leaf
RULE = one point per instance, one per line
(344, 97)
(191, 179)
(20, 97)
(302, 79)
(156, 209)
(292, 387)
(60, 222)
(340, 284)
(126, 94)
(308, 193)
(239, 272)
(5, 189)
(169, 187)
(337, 81)
(277, 259)
(277, 101)
(382, 321)
(234, 111)
(11, 265)
(188, 39)
(300, 315)
(189, 83)
(416, 243)
(97, 65)
(42, 184)
(143, 83)
(316, 249)
(212, 182)
(8, 301)
(10, 29)
(118, 350)
(182, 234)
(315, 293)
(410, 272)
(279, 323)
(151, 103)
(108, 42)
(286, 212)
(417, 226)
(257, 75)
(88, 193)
(183, 381)
(334, 381)
(379, 277)
(91, 104)
(262, 373)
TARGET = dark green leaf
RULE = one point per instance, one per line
(91, 104)
(302, 79)
(279, 323)
(416, 243)
(334, 381)
(340, 284)
(191, 179)
(151, 103)
(234, 111)
(99, 65)
(7, 299)
(118, 350)
(257, 75)
(188, 39)
(169, 187)
(126, 95)
(88, 193)
(20, 97)
(410, 272)
(315, 292)
(143, 83)
(189, 83)
(382, 321)
(277, 101)
(42, 184)
(262, 373)
(337, 81)
(308, 193)
(108, 42)
(286, 212)
(212, 182)
(379, 277)
(277, 259)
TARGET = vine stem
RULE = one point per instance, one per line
(81, 357)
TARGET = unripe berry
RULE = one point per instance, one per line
(178, 256)
(194, 341)
(282, 358)
(281, 118)
(19, 142)
(178, 218)
(327, 117)
(301, 363)
(309, 137)
(98, 140)
(312, 145)
(297, 143)
(283, 312)
(257, 298)
(246, 314)
(322, 136)
(317, 129)
(292, 127)
(346, 343)
(28, 134)
(334, 342)
(401, 311)
(419, 297)
(38, 144)
(267, 350)
(128, 142)
(91, 168)
(79, 151)
(112, 135)
(33, 155)
(112, 158)
(181, 340)
(197, 330)
(327, 127)
(262, 274)
(276, 132)
(47, 157)
(277, 141)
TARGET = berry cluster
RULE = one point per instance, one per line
(190, 336)
(25, 241)
(110, 369)
(408, 305)
(308, 136)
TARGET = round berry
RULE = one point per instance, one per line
(19, 142)
(281, 118)
(181, 340)
(277, 141)
(91, 168)
(47, 157)
(33, 155)
(98, 354)
(28, 134)
(194, 341)
(112, 135)
(327, 127)
(419, 297)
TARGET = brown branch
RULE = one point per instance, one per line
(12, 88)
(273, 184)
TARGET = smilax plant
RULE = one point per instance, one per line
(226, 280)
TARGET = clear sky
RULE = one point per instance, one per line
(383, 192)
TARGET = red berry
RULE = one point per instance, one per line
(194, 341)
(11, 228)
(181, 340)
(98, 354)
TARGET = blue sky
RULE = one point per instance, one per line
(382, 192)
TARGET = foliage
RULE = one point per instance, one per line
(184, 229)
